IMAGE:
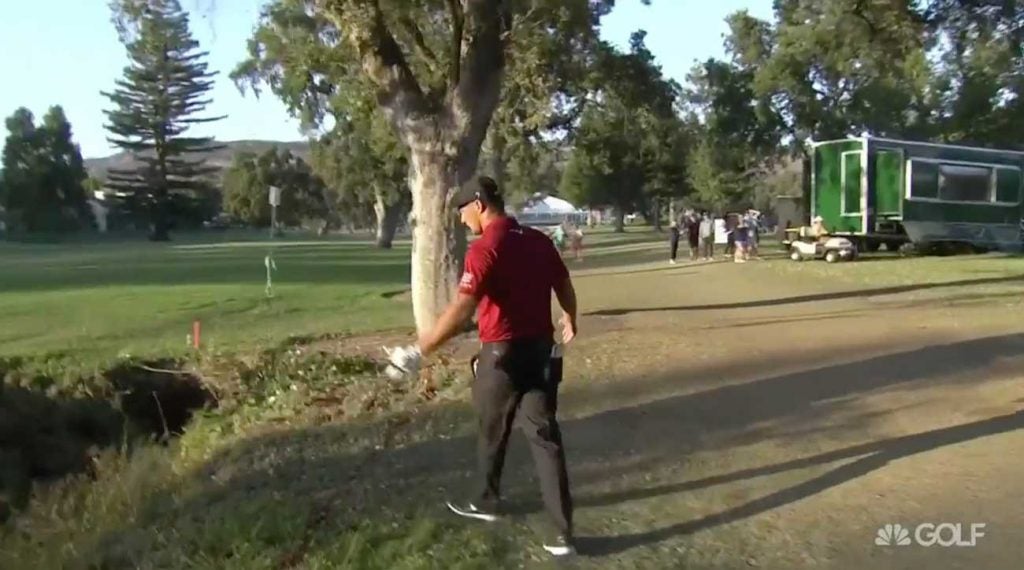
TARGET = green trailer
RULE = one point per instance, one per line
(879, 191)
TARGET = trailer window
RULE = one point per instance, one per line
(851, 179)
(1008, 185)
(959, 183)
(924, 180)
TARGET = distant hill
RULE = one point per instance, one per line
(98, 167)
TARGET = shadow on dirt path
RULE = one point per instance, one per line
(617, 443)
(830, 296)
(876, 455)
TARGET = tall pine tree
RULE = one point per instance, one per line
(163, 88)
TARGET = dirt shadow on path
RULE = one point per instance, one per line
(831, 296)
(304, 465)
(877, 455)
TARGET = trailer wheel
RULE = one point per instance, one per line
(831, 256)
(794, 254)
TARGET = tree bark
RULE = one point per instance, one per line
(656, 211)
(438, 238)
(620, 220)
(498, 157)
(387, 219)
(159, 225)
(161, 195)
(671, 211)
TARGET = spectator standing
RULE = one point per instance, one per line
(673, 241)
(707, 236)
(693, 234)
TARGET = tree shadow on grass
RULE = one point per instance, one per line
(371, 478)
(830, 296)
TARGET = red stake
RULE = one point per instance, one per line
(195, 334)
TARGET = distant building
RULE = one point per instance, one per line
(100, 209)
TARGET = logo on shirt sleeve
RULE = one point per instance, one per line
(467, 280)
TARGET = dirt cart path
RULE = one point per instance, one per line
(745, 415)
(737, 418)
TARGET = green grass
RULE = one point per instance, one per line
(72, 308)
(91, 302)
(892, 270)
(245, 486)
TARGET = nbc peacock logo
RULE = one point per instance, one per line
(891, 534)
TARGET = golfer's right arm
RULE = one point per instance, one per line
(566, 294)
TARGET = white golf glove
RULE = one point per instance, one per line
(403, 361)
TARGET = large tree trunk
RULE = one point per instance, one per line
(656, 211)
(620, 220)
(671, 211)
(159, 223)
(438, 237)
(387, 219)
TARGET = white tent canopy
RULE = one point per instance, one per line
(542, 209)
(541, 204)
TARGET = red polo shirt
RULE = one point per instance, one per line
(512, 270)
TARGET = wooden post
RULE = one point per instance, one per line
(195, 334)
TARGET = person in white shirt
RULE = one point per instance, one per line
(707, 237)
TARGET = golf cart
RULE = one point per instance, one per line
(807, 244)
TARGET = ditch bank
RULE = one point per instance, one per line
(51, 429)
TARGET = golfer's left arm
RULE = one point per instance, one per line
(449, 324)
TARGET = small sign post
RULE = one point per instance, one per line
(268, 261)
(275, 201)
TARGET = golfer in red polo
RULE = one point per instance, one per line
(510, 272)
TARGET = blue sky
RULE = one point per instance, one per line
(66, 51)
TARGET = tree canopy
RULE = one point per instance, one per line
(630, 148)
(42, 181)
(248, 180)
(437, 71)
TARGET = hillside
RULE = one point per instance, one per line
(222, 157)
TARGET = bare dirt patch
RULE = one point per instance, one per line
(721, 416)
